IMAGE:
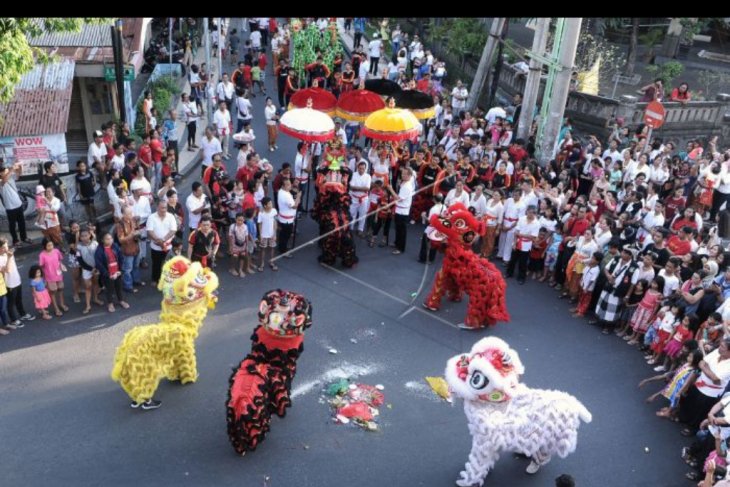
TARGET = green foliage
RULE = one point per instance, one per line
(652, 38)
(667, 71)
(461, 35)
(711, 83)
(17, 57)
(164, 92)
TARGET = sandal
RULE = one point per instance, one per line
(235, 273)
(46, 316)
(64, 307)
(77, 299)
(3, 331)
(86, 311)
(58, 313)
(111, 308)
(274, 267)
(124, 304)
(687, 432)
(692, 475)
(260, 268)
(98, 302)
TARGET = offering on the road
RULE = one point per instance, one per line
(504, 414)
(355, 402)
(167, 349)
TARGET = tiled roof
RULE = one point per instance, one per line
(41, 103)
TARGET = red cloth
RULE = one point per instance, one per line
(677, 246)
(245, 174)
(157, 150)
(262, 62)
(112, 264)
(247, 73)
(517, 153)
(107, 139)
(145, 154)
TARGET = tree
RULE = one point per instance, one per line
(18, 57)
(633, 46)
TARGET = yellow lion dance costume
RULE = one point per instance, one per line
(167, 349)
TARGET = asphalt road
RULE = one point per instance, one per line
(65, 422)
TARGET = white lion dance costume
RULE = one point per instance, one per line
(167, 349)
(505, 415)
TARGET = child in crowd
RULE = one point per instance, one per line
(588, 283)
(238, 246)
(551, 255)
(672, 349)
(667, 322)
(536, 262)
(176, 249)
(40, 205)
(72, 258)
(710, 332)
(679, 381)
(631, 305)
(51, 261)
(641, 319)
(253, 236)
(267, 232)
(41, 298)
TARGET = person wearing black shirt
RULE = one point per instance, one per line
(282, 73)
(658, 248)
(85, 184)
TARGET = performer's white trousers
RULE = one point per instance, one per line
(506, 242)
(358, 209)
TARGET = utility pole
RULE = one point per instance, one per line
(532, 87)
(220, 48)
(565, 49)
(485, 63)
(206, 34)
(118, 52)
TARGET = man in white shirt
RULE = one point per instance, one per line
(495, 112)
(195, 203)
(364, 69)
(459, 96)
(118, 161)
(141, 210)
(652, 219)
(374, 49)
(222, 123)
(209, 147)
(612, 152)
(225, 91)
(404, 199)
(255, 38)
(721, 194)
(356, 159)
(96, 155)
(451, 142)
(359, 197)
(513, 210)
(478, 201)
(340, 133)
(244, 111)
(287, 214)
(302, 166)
(527, 230)
(161, 228)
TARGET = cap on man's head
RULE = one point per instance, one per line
(97, 133)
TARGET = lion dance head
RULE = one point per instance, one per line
(489, 372)
(285, 313)
(458, 225)
(186, 283)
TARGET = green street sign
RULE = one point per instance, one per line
(110, 73)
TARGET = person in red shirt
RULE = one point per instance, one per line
(247, 77)
(247, 172)
(348, 78)
(574, 228)
(108, 140)
(290, 87)
(318, 71)
(681, 94)
(686, 220)
(516, 151)
(680, 245)
(424, 84)
(675, 203)
(263, 61)
(284, 173)
(157, 149)
(144, 155)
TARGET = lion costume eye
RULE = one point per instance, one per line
(478, 380)
(460, 223)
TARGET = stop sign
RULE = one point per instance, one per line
(654, 114)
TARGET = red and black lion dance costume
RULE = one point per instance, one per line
(465, 271)
(332, 208)
(260, 386)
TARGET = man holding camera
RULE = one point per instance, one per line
(12, 203)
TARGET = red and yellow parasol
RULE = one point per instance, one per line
(357, 105)
(307, 124)
(322, 100)
(391, 124)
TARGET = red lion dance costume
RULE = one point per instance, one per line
(465, 271)
(332, 208)
(260, 385)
